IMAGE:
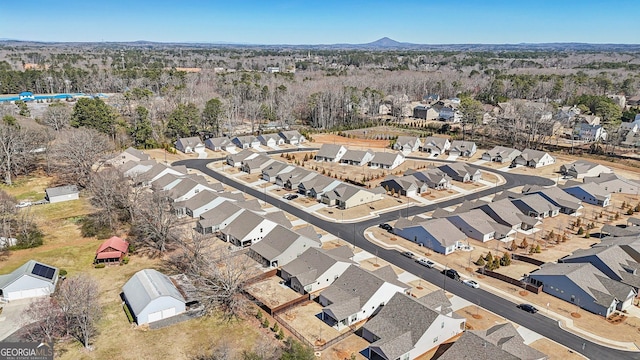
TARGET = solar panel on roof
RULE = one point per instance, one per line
(43, 271)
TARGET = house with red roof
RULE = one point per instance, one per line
(113, 250)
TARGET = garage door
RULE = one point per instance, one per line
(155, 316)
(24, 294)
(168, 313)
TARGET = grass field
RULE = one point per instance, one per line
(65, 248)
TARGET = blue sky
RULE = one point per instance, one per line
(324, 22)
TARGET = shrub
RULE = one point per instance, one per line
(280, 335)
(505, 260)
(480, 261)
(275, 327)
(630, 212)
(538, 250)
(580, 231)
(488, 258)
(265, 323)
(587, 235)
(259, 315)
(62, 272)
(100, 266)
(524, 244)
(125, 260)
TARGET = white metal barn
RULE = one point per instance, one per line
(152, 296)
(62, 193)
(33, 279)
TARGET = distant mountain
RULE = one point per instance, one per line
(383, 44)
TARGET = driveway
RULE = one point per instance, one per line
(11, 317)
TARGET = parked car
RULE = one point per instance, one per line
(290, 196)
(425, 262)
(386, 226)
(471, 283)
(23, 204)
(452, 274)
(528, 308)
(408, 254)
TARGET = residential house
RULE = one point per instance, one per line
(292, 137)
(270, 172)
(270, 140)
(586, 132)
(358, 294)
(112, 250)
(61, 193)
(591, 193)
(568, 204)
(436, 145)
(188, 188)
(357, 157)
(190, 145)
(479, 226)
(283, 178)
(472, 346)
(506, 337)
(584, 285)
(151, 296)
(218, 217)
(536, 206)
(406, 328)
(316, 268)
(130, 154)
(431, 98)
(589, 119)
(202, 202)
(582, 168)
(159, 170)
(330, 153)
(407, 144)
(501, 154)
(449, 114)
(406, 185)
(425, 112)
(281, 246)
(462, 172)
(317, 186)
(614, 183)
(32, 279)
(613, 261)
(132, 169)
(387, 160)
(249, 228)
(167, 182)
(534, 158)
(434, 178)
(347, 196)
(505, 213)
(246, 142)
(236, 160)
(220, 143)
(440, 235)
(463, 148)
(294, 181)
(256, 164)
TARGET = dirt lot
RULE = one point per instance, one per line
(345, 349)
(360, 210)
(478, 318)
(271, 293)
(305, 318)
(354, 143)
(555, 351)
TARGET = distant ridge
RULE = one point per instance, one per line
(382, 44)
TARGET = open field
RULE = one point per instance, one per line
(65, 248)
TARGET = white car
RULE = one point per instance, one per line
(471, 283)
(425, 262)
(23, 204)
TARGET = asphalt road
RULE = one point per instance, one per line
(354, 233)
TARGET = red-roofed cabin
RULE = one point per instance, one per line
(112, 250)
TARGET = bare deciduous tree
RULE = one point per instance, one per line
(110, 194)
(79, 152)
(155, 225)
(18, 149)
(57, 116)
(46, 317)
(78, 300)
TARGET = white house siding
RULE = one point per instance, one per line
(195, 213)
(324, 280)
(360, 198)
(160, 308)
(191, 193)
(254, 235)
(293, 251)
(27, 287)
(442, 329)
(61, 198)
(471, 231)
(563, 288)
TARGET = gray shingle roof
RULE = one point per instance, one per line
(355, 155)
(400, 324)
(537, 203)
(137, 153)
(61, 191)
(147, 285)
(532, 155)
(506, 337)
(329, 150)
(190, 141)
(470, 346)
(312, 263)
(351, 291)
(506, 212)
(461, 146)
(385, 158)
(217, 215)
(437, 300)
(590, 188)
(458, 168)
(276, 242)
(26, 269)
(503, 152)
(200, 199)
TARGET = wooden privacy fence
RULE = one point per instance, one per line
(527, 259)
(510, 280)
